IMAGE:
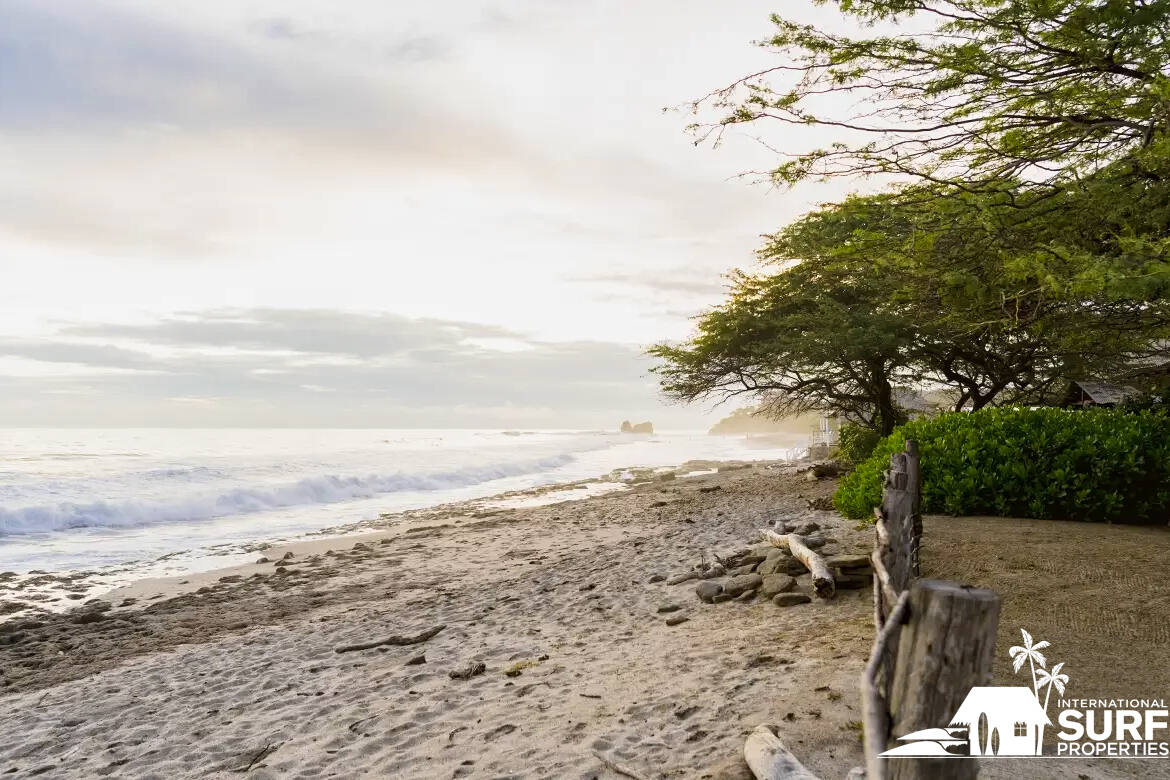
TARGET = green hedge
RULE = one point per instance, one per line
(856, 443)
(1096, 465)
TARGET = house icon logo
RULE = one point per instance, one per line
(995, 721)
(992, 721)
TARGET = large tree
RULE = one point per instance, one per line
(966, 92)
(812, 337)
(912, 287)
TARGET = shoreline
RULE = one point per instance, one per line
(545, 642)
(586, 650)
(390, 525)
(42, 591)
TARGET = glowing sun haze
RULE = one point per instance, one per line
(363, 213)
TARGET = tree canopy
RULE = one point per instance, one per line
(967, 92)
(913, 289)
(1025, 240)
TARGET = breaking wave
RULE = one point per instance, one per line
(324, 489)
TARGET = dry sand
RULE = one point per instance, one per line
(238, 673)
(240, 677)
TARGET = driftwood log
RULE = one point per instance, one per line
(823, 583)
(946, 648)
(769, 759)
(396, 640)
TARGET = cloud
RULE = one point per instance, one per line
(315, 365)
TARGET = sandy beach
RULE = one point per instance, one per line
(545, 643)
(555, 601)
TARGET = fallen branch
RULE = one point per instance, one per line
(769, 759)
(801, 548)
(621, 769)
(781, 539)
(396, 640)
(822, 577)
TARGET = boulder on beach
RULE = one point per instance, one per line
(642, 427)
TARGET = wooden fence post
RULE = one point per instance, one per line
(946, 647)
(898, 532)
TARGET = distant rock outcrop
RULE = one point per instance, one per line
(644, 427)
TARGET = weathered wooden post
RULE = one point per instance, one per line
(898, 532)
(946, 647)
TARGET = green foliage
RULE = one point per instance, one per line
(1155, 400)
(1096, 465)
(856, 443)
(967, 91)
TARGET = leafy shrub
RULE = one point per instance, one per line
(855, 443)
(1157, 399)
(1096, 465)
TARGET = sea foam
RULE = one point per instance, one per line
(322, 489)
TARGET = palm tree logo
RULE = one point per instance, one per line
(1050, 680)
(1030, 652)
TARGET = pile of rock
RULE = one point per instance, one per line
(766, 571)
(851, 571)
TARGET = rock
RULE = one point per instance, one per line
(741, 570)
(710, 488)
(262, 559)
(746, 596)
(711, 572)
(668, 608)
(707, 591)
(780, 564)
(231, 578)
(848, 562)
(674, 620)
(722, 597)
(776, 583)
(416, 660)
(626, 427)
(361, 546)
(737, 585)
(643, 427)
(790, 599)
(808, 528)
(681, 578)
(128, 602)
(656, 578)
(288, 556)
(467, 672)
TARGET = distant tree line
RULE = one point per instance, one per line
(1023, 242)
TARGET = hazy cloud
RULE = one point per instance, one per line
(239, 358)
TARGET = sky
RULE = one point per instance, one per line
(407, 214)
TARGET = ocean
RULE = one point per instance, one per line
(146, 502)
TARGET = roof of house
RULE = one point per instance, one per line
(1103, 392)
(1018, 702)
